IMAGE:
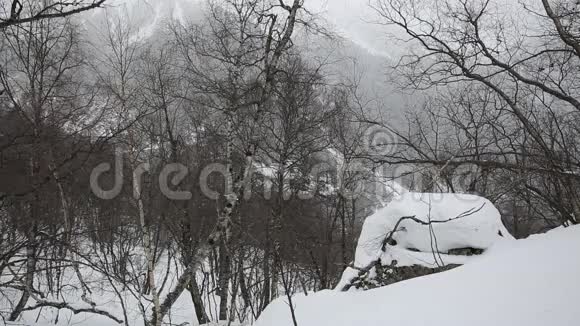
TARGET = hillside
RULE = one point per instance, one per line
(528, 282)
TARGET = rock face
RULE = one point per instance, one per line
(382, 275)
(385, 275)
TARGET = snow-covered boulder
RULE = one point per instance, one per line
(428, 225)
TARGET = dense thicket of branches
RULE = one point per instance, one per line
(504, 120)
(230, 94)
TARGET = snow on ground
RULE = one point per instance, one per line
(103, 295)
(103, 290)
(531, 282)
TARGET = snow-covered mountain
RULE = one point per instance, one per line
(353, 20)
(363, 50)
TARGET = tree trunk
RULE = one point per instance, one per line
(224, 280)
(197, 301)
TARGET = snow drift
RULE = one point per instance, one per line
(532, 282)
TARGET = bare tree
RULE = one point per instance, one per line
(529, 75)
(234, 63)
(17, 12)
(42, 61)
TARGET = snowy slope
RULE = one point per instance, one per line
(531, 282)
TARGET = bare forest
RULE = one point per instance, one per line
(195, 171)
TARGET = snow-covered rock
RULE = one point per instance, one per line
(532, 282)
(440, 222)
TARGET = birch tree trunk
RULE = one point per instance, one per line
(149, 254)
